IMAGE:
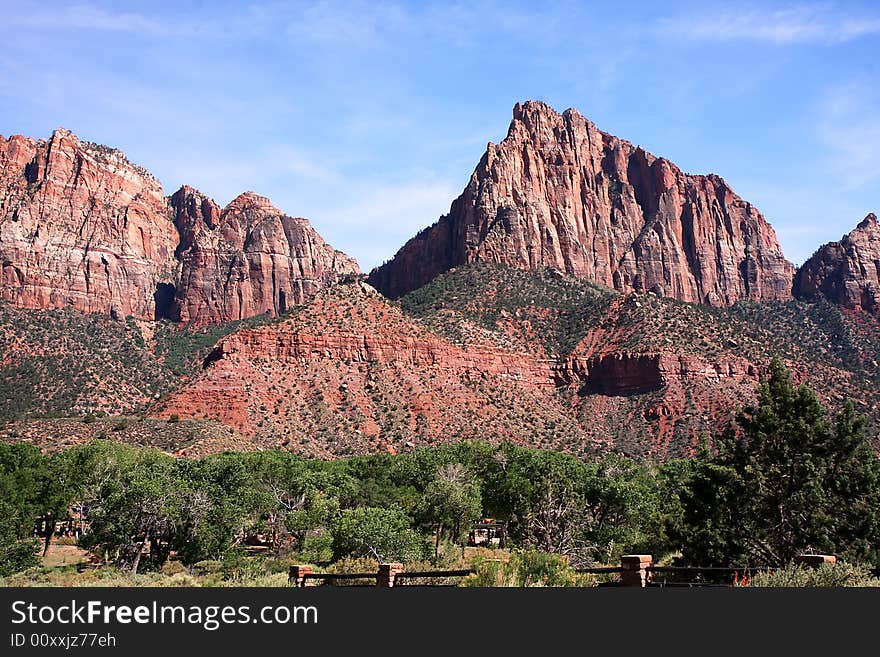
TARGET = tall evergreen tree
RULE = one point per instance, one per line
(792, 479)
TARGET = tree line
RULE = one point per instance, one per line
(786, 477)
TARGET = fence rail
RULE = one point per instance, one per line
(335, 576)
(634, 570)
(434, 573)
(600, 570)
(711, 570)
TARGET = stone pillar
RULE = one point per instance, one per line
(815, 560)
(387, 573)
(296, 576)
(635, 569)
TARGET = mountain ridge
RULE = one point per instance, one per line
(559, 192)
(82, 226)
(582, 294)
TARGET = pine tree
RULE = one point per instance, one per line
(791, 480)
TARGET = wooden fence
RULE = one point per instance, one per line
(635, 570)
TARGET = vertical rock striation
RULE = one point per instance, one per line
(247, 259)
(846, 272)
(558, 192)
(81, 226)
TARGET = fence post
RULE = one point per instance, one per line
(387, 573)
(296, 575)
(635, 569)
(815, 560)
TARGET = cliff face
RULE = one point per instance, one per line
(846, 272)
(248, 259)
(558, 192)
(81, 226)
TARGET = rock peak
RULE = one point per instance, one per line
(845, 272)
(61, 132)
(250, 199)
(172, 257)
(869, 220)
(248, 259)
(186, 190)
(558, 192)
(70, 247)
(527, 107)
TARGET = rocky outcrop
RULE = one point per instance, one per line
(558, 192)
(350, 371)
(624, 373)
(247, 259)
(81, 226)
(284, 347)
(845, 272)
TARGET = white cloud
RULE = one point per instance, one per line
(364, 24)
(84, 17)
(799, 24)
(333, 23)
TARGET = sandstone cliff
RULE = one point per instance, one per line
(558, 192)
(81, 226)
(846, 272)
(248, 259)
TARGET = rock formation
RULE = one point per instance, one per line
(558, 192)
(349, 371)
(81, 226)
(248, 259)
(845, 272)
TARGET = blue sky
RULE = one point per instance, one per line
(369, 117)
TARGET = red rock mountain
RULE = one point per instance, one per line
(247, 259)
(558, 192)
(846, 272)
(502, 345)
(81, 226)
(350, 373)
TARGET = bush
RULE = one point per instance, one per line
(352, 565)
(17, 555)
(527, 569)
(174, 419)
(316, 547)
(841, 574)
(172, 568)
(237, 566)
(207, 567)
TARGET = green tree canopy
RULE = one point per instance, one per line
(452, 502)
(382, 534)
(793, 479)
